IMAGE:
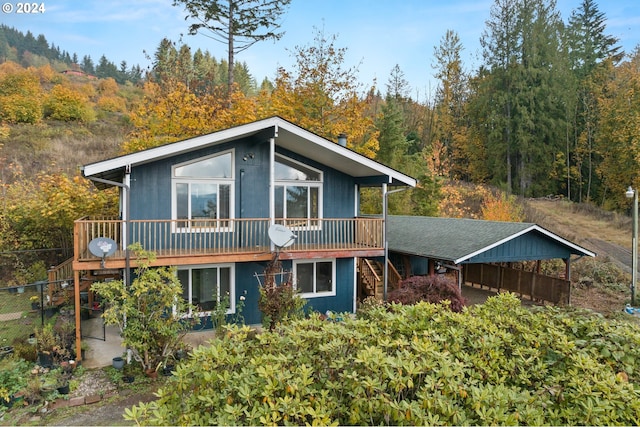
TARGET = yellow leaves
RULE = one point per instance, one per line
(68, 104)
(20, 96)
(107, 87)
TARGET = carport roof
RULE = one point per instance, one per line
(462, 241)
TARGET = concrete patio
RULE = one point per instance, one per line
(100, 353)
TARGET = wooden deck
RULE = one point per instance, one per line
(187, 242)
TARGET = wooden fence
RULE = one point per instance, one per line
(536, 286)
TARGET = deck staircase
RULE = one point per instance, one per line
(371, 278)
(60, 289)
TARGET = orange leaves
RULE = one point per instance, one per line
(172, 112)
(502, 208)
(464, 200)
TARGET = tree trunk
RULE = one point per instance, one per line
(230, 50)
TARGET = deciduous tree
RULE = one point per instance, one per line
(321, 95)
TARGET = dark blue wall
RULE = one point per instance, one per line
(246, 281)
(151, 199)
(151, 183)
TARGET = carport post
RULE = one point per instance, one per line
(386, 241)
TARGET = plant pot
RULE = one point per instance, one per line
(16, 400)
(35, 306)
(63, 389)
(151, 373)
(21, 289)
(167, 371)
(128, 379)
(45, 360)
(118, 362)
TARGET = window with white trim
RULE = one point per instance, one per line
(203, 190)
(315, 278)
(297, 193)
(206, 286)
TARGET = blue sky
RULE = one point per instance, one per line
(378, 34)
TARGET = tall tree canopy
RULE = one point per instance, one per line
(238, 23)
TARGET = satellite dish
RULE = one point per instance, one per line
(102, 247)
(281, 236)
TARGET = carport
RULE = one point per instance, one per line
(481, 252)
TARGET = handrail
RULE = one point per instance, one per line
(371, 269)
(394, 276)
(227, 236)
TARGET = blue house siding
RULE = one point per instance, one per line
(531, 246)
(151, 184)
(246, 281)
(247, 285)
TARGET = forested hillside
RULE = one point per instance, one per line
(552, 109)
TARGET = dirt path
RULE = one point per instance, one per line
(605, 233)
(103, 414)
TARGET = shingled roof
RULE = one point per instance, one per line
(461, 240)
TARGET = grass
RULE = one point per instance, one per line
(12, 329)
(579, 222)
(599, 283)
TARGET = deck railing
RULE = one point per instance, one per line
(227, 236)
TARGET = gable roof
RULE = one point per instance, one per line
(286, 134)
(461, 240)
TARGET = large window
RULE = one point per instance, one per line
(315, 278)
(297, 193)
(207, 286)
(203, 190)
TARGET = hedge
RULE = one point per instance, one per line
(494, 364)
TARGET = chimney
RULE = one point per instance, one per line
(342, 140)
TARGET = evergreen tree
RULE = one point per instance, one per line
(449, 145)
(87, 65)
(588, 47)
(521, 48)
(237, 23)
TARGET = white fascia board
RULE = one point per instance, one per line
(176, 147)
(236, 132)
(352, 155)
(563, 241)
(526, 230)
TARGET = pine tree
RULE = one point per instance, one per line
(237, 23)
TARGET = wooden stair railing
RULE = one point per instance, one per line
(372, 278)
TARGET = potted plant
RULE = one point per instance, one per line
(63, 382)
(35, 302)
(127, 373)
(45, 343)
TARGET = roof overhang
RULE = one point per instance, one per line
(463, 240)
(288, 136)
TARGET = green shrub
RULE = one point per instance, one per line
(14, 373)
(492, 364)
(151, 313)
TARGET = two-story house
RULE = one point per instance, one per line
(206, 205)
